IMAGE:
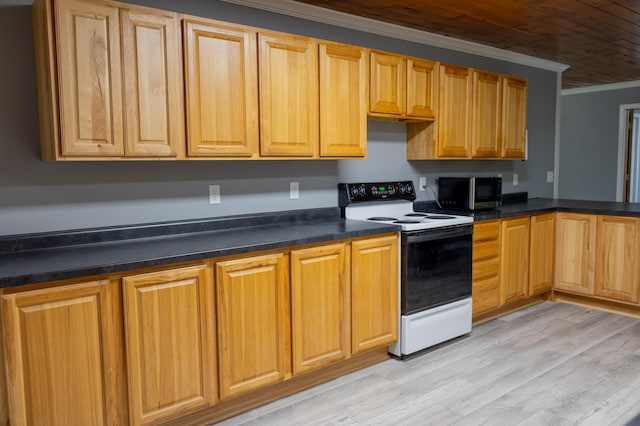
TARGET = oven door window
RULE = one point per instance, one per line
(435, 270)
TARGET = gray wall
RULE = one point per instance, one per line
(39, 196)
(589, 143)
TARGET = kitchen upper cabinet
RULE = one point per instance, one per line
(170, 342)
(514, 259)
(374, 292)
(514, 118)
(617, 255)
(320, 306)
(253, 322)
(116, 90)
(575, 252)
(454, 112)
(343, 100)
(288, 81)
(487, 100)
(402, 87)
(221, 79)
(486, 267)
(541, 254)
(64, 355)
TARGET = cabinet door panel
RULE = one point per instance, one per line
(487, 90)
(253, 322)
(422, 76)
(170, 342)
(90, 84)
(288, 95)
(514, 118)
(617, 253)
(343, 101)
(222, 90)
(64, 356)
(387, 84)
(542, 253)
(153, 84)
(514, 259)
(374, 292)
(319, 306)
(454, 111)
(575, 252)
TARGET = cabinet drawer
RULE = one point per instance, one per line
(486, 230)
(485, 295)
(488, 249)
(486, 269)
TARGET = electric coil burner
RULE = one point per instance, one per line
(435, 262)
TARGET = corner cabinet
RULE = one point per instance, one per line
(374, 292)
(64, 355)
(109, 80)
(170, 343)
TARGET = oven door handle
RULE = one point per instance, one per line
(438, 234)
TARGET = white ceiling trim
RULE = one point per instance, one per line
(327, 16)
(602, 87)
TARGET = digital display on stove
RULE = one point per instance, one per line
(382, 188)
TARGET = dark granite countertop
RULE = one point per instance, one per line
(36, 258)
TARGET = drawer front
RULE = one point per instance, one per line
(486, 230)
(488, 249)
(486, 269)
(486, 295)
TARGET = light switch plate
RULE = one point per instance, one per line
(549, 177)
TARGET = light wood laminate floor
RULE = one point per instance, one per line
(550, 364)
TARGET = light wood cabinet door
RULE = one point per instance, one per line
(64, 355)
(541, 253)
(514, 118)
(253, 322)
(487, 99)
(387, 84)
(617, 258)
(153, 100)
(422, 77)
(485, 290)
(575, 253)
(320, 300)
(221, 79)
(454, 112)
(288, 78)
(90, 79)
(514, 259)
(374, 292)
(170, 342)
(343, 100)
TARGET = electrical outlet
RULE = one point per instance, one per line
(214, 194)
(515, 179)
(423, 183)
(550, 177)
(294, 190)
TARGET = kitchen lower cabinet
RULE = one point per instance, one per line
(486, 266)
(374, 292)
(514, 259)
(575, 253)
(170, 342)
(64, 355)
(617, 258)
(320, 306)
(253, 322)
(541, 253)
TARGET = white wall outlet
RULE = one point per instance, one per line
(550, 177)
(515, 179)
(423, 183)
(214, 194)
(294, 190)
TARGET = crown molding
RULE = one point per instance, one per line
(332, 17)
(601, 88)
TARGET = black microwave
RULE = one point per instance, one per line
(470, 193)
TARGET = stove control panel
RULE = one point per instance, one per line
(375, 191)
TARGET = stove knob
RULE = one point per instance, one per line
(401, 188)
(363, 191)
(354, 191)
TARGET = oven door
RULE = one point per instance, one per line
(435, 267)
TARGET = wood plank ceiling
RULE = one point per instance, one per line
(598, 39)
